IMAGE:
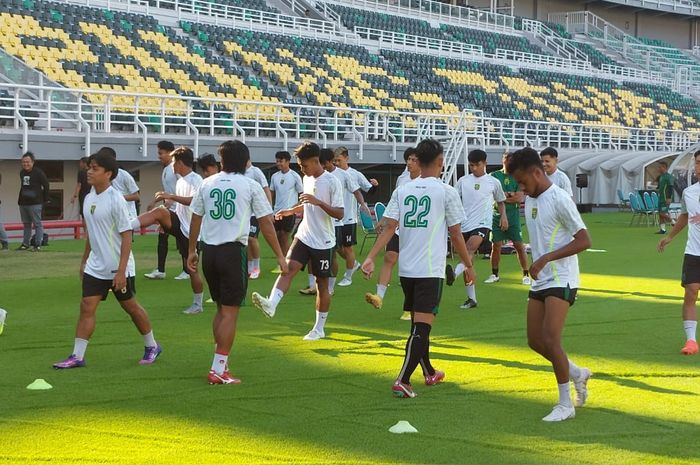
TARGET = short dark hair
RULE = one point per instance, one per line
(476, 155)
(408, 152)
(104, 160)
(28, 154)
(551, 151)
(166, 145)
(695, 155)
(283, 155)
(109, 151)
(342, 150)
(428, 150)
(663, 163)
(326, 156)
(234, 156)
(207, 160)
(307, 150)
(85, 160)
(524, 159)
(185, 155)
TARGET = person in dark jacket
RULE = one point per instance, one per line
(33, 193)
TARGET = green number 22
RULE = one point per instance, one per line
(224, 204)
(415, 218)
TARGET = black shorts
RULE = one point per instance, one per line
(338, 236)
(286, 224)
(393, 244)
(321, 260)
(691, 270)
(225, 268)
(563, 293)
(93, 286)
(483, 233)
(421, 295)
(254, 227)
(349, 235)
(183, 242)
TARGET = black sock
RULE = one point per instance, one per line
(526, 273)
(162, 251)
(425, 361)
(494, 271)
(416, 347)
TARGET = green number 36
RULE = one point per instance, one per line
(415, 218)
(224, 204)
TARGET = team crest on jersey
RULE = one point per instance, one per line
(92, 209)
(506, 181)
(282, 181)
(534, 213)
(477, 186)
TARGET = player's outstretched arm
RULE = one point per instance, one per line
(335, 212)
(289, 211)
(192, 257)
(581, 242)
(460, 247)
(381, 242)
(361, 201)
(681, 223)
(267, 227)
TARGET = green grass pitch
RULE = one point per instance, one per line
(330, 401)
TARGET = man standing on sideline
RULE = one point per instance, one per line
(4, 243)
(690, 276)
(82, 188)
(221, 211)
(550, 160)
(514, 197)
(107, 263)
(314, 243)
(557, 235)
(285, 186)
(665, 188)
(33, 194)
(425, 211)
(256, 174)
(168, 180)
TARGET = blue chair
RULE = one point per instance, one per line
(368, 228)
(379, 209)
(624, 203)
(652, 209)
(635, 207)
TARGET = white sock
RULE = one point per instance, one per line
(250, 266)
(471, 292)
(198, 298)
(79, 348)
(135, 223)
(149, 340)
(276, 296)
(690, 326)
(663, 226)
(312, 281)
(321, 318)
(381, 290)
(219, 363)
(565, 394)
(256, 263)
(331, 284)
(348, 274)
(574, 371)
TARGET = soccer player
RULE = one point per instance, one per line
(350, 220)
(391, 252)
(314, 242)
(478, 192)
(168, 179)
(208, 165)
(690, 276)
(665, 187)
(550, 159)
(125, 184)
(557, 234)
(107, 262)
(514, 197)
(256, 174)
(177, 222)
(221, 211)
(285, 186)
(424, 211)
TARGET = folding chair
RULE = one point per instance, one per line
(368, 228)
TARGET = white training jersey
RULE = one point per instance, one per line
(552, 220)
(478, 196)
(168, 179)
(106, 217)
(404, 179)
(349, 186)
(256, 174)
(359, 178)
(287, 187)
(226, 201)
(425, 208)
(186, 187)
(559, 178)
(124, 183)
(317, 230)
(690, 204)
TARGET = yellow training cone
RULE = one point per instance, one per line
(39, 385)
(402, 427)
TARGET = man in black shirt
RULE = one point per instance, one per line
(82, 188)
(33, 193)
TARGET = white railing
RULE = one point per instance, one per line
(546, 61)
(636, 74)
(691, 7)
(553, 40)
(391, 40)
(152, 115)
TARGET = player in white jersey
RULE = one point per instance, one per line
(391, 253)
(285, 186)
(349, 231)
(208, 165)
(424, 211)
(168, 180)
(557, 234)
(314, 242)
(177, 222)
(221, 211)
(125, 184)
(256, 174)
(690, 277)
(107, 262)
(478, 192)
(550, 159)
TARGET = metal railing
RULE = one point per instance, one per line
(391, 40)
(691, 7)
(553, 40)
(542, 61)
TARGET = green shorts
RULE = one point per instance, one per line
(513, 233)
(663, 206)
